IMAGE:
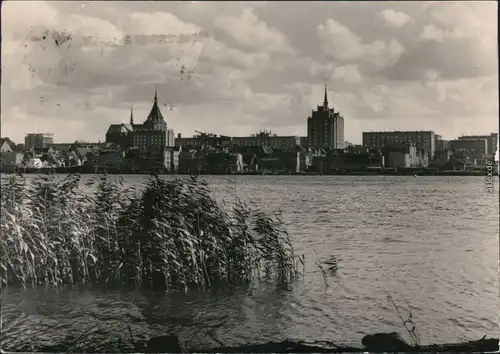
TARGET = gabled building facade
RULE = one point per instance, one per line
(153, 132)
(5, 146)
(38, 140)
(424, 140)
(149, 139)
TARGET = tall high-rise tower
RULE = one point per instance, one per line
(325, 127)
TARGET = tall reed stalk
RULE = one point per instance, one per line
(166, 235)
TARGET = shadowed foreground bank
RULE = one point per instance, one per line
(380, 342)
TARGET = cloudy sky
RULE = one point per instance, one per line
(238, 68)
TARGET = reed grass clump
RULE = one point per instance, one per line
(166, 235)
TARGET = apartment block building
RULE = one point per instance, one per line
(476, 148)
(491, 141)
(38, 140)
(422, 139)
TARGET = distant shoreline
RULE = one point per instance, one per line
(85, 171)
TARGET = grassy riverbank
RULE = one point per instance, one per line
(167, 235)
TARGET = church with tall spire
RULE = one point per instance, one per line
(153, 133)
(325, 127)
(131, 115)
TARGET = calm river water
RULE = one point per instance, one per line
(431, 242)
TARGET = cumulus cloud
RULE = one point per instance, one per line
(455, 22)
(348, 73)
(335, 74)
(20, 24)
(454, 42)
(219, 52)
(163, 23)
(342, 44)
(249, 31)
(393, 18)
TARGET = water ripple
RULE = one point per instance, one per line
(431, 242)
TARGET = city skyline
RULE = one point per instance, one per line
(238, 68)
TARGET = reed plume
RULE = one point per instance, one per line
(165, 235)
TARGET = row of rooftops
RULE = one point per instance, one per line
(463, 137)
(401, 132)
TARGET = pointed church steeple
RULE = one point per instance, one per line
(132, 115)
(325, 102)
(155, 114)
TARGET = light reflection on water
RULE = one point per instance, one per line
(431, 242)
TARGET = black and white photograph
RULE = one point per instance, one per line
(249, 176)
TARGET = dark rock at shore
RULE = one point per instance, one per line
(385, 342)
(164, 344)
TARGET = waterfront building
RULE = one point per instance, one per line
(38, 140)
(153, 132)
(172, 158)
(424, 140)
(405, 156)
(356, 149)
(111, 158)
(122, 134)
(222, 161)
(325, 127)
(264, 138)
(295, 160)
(252, 154)
(83, 153)
(150, 137)
(193, 142)
(170, 138)
(340, 160)
(5, 146)
(11, 159)
(61, 146)
(454, 164)
(190, 162)
(268, 139)
(491, 140)
(201, 139)
(442, 156)
(440, 145)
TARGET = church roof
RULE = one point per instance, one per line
(129, 127)
(120, 128)
(155, 114)
(8, 141)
